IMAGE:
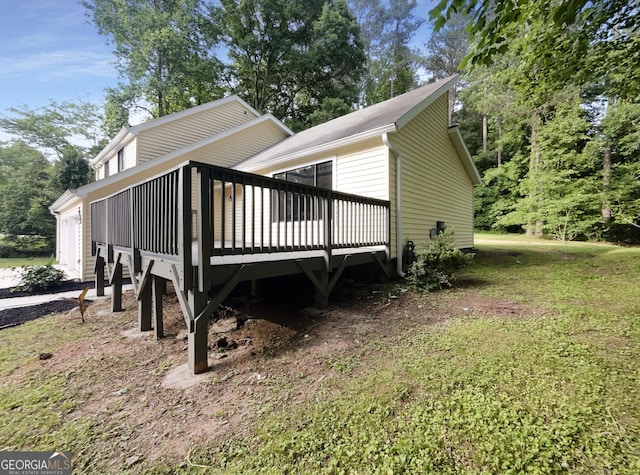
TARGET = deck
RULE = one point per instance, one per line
(204, 227)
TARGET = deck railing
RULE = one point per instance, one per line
(230, 212)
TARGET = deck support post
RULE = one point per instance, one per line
(322, 290)
(198, 341)
(145, 308)
(100, 265)
(116, 288)
(158, 288)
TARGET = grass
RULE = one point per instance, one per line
(553, 389)
(7, 262)
(552, 393)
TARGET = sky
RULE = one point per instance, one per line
(50, 51)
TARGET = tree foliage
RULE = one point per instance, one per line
(288, 57)
(56, 126)
(595, 41)
(25, 191)
(163, 51)
(387, 29)
(557, 161)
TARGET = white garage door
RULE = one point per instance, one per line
(69, 243)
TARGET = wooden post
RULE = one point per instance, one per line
(116, 288)
(144, 308)
(322, 293)
(100, 265)
(158, 285)
(198, 341)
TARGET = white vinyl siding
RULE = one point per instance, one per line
(435, 184)
(363, 172)
(130, 154)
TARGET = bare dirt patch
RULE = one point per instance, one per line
(278, 354)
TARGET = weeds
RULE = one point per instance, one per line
(436, 267)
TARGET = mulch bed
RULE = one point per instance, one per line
(66, 286)
(11, 317)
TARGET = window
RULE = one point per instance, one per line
(106, 169)
(303, 208)
(121, 159)
(320, 175)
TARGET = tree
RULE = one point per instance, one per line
(56, 126)
(445, 51)
(163, 50)
(25, 192)
(621, 129)
(391, 63)
(70, 172)
(579, 35)
(288, 57)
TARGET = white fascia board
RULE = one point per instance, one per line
(322, 148)
(430, 99)
(120, 137)
(465, 156)
(64, 199)
(136, 129)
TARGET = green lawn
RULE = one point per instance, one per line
(24, 261)
(543, 377)
(555, 391)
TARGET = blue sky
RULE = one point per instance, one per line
(49, 51)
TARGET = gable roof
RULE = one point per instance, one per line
(83, 191)
(132, 130)
(384, 117)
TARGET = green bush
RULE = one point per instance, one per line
(26, 246)
(436, 267)
(34, 278)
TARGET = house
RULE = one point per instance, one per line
(207, 208)
(399, 150)
(221, 132)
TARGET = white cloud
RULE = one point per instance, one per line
(57, 64)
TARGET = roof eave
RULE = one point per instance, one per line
(426, 102)
(322, 148)
(120, 137)
(63, 200)
(83, 191)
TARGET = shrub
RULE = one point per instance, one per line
(26, 246)
(434, 269)
(34, 278)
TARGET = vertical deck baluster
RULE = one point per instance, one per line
(223, 216)
(244, 216)
(253, 218)
(233, 216)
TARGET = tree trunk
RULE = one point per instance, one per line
(535, 190)
(485, 133)
(606, 182)
(499, 139)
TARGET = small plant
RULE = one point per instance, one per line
(33, 278)
(436, 267)
(80, 302)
